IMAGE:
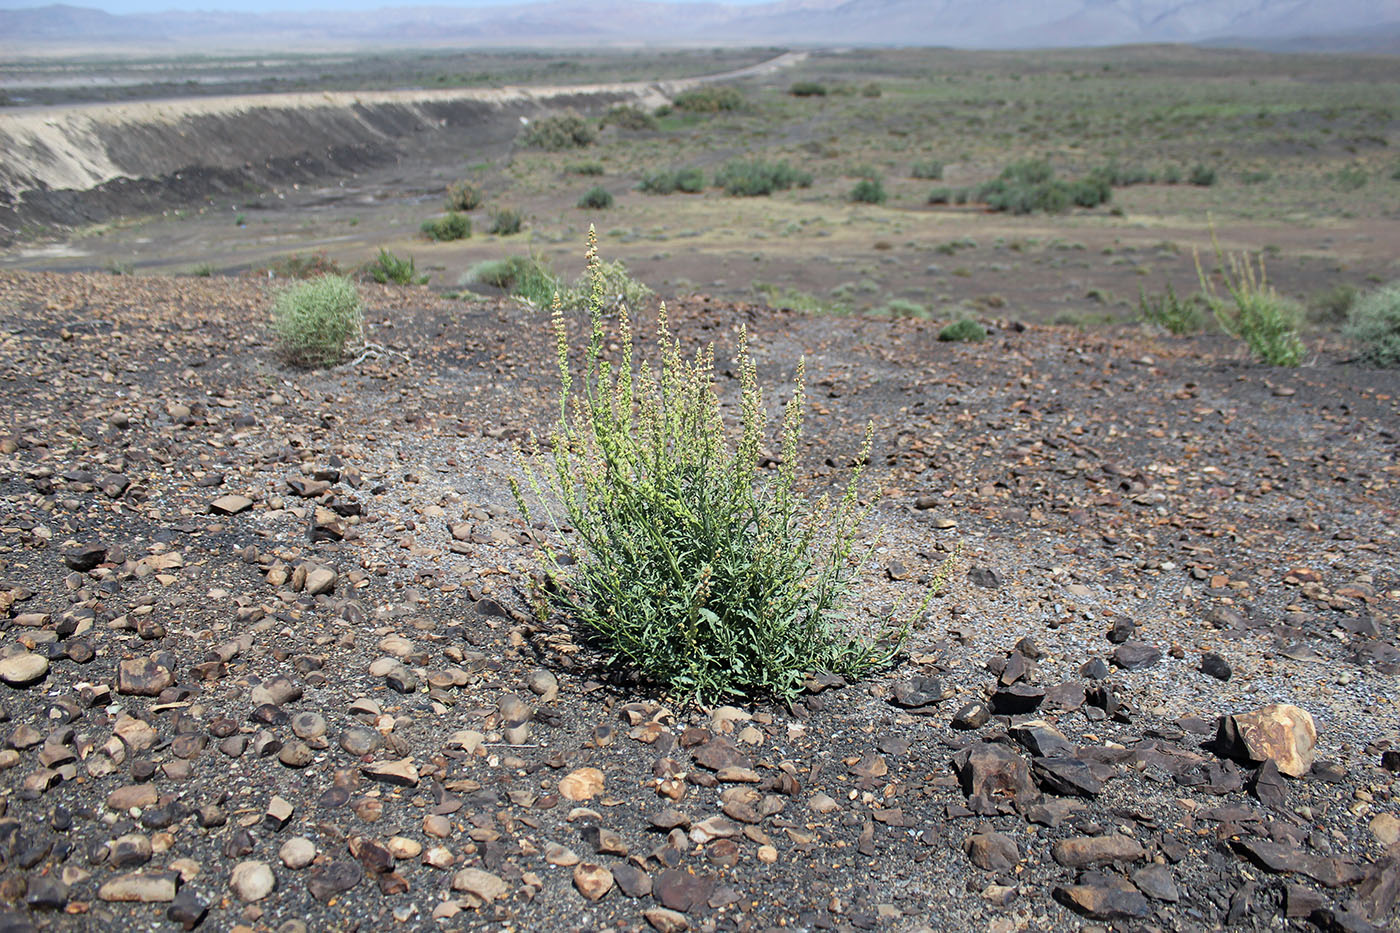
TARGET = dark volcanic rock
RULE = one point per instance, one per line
(682, 891)
(1215, 666)
(918, 691)
(974, 715)
(986, 770)
(1066, 777)
(1136, 655)
(1016, 699)
(1331, 872)
(1110, 899)
(1042, 739)
(992, 852)
(328, 879)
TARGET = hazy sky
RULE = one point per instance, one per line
(267, 6)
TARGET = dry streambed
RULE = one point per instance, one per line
(267, 663)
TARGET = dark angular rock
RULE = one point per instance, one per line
(1215, 666)
(46, 892)
(188, 909)
(1269, 787)
(985, 577)
(1157, 883)
(1122, 629)
(1017, 699)
(1027, 647)
(987, 770)
(682, 891)
(1136, 655)
(918, 691)
(992, 851)
(1103, 901)
(717, 754)
(328, 879)
(974, 715)
(1042, 739)
(1094, 669)
(1066, 777)
(84, 557)
(1067, 696)
(1333, 872)
(631, 881)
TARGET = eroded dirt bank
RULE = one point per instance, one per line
(61, 166)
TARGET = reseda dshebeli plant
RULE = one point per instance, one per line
(681, 561)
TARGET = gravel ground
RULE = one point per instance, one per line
(267, 662)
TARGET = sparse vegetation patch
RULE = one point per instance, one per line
(1373, 325)
(710, 99)
(686, 564)
(454, 226)
(558, 132)
(315, 319)
(755, 178)
(688, 180)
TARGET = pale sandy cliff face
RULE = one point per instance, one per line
(46, 150)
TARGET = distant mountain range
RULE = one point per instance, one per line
(1345, 24)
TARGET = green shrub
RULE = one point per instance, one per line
(1171, 175)
(1373, 325)
(387, 268)
(688, 180)
(506, 221)
(965, 330)
(584, 168)
(713, 99)
(793, 299)
(940, 196)
(443, 229)
(526, 277)
(1332, 305)
(807, 89)
(558, 132)
(1350, 178)
(1168, 311)
(685, 564)
(1255, 313)
(596, 198)
(302, 266)
(463, 196)
(869, 191)
(1091, 191)
(1117, 175)
(314, 320)
(903, 307)
(931, 170)
(629, 117)
(755, 178)
(871, 90)
(1030, 187)
(1255, 178)
(203, 271)
(1202, 176)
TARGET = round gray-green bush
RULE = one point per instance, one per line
(314, 320)
(1373, 325)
